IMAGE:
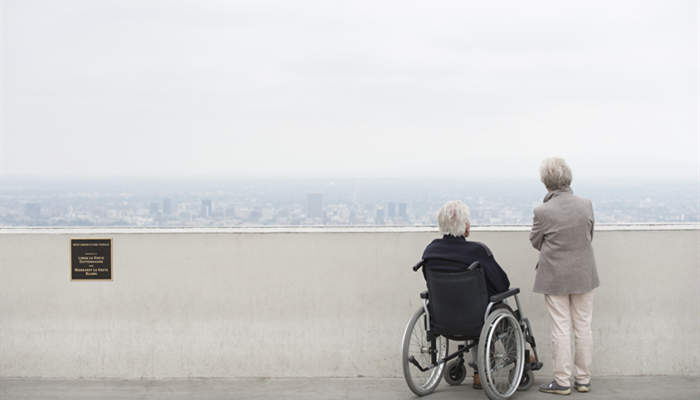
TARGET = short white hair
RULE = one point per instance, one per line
(453, 218)
(555, 173)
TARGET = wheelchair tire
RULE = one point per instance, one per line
(501, 344)
(415, 344)
(455, 372)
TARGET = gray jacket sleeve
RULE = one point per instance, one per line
(590, 203)
(537, 232)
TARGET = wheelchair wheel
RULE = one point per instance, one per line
(501, 354)
(455, 372)
(415, 344)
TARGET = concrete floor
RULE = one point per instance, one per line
(665, 387)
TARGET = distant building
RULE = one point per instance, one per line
(379, 219)
(230, 211)
(352, 219)
(391, 210)
(242, 212)
(254, 215)
(32, 210)
(206, 209)
(154, 209)
(402, 210)
(167, 207)
(314, 205)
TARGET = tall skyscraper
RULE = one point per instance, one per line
(391, 210)
(379, 219)
(206, 208)
(154, 209)
(402, 210)
(167, 206)
(230, 212)
(352, 219)
(314, 205)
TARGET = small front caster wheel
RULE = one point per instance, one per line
(455, 372)
(527, 381)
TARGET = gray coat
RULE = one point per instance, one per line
(562, 231)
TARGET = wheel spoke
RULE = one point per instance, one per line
(416, 344)
(502, 349)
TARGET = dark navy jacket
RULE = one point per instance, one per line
(454, 253)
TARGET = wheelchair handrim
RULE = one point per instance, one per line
(435, 373)
(520, 355)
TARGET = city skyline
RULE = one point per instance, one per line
(321, 202)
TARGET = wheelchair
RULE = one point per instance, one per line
(457, 308)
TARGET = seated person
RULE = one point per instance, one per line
(453, 252)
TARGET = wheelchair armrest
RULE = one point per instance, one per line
(501, 296)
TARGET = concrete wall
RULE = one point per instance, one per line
(308, 303)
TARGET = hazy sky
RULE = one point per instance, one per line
(353, 88)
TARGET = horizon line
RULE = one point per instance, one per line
(340, 177)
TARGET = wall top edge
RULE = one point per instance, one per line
(321, 229)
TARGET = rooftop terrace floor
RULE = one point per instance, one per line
(647, 387)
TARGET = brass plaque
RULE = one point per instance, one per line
(91, 259)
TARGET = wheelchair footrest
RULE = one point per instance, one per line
(415, 362)
(536, 366)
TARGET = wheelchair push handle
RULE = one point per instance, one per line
(418, 265)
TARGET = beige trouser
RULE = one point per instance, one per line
(563, 310)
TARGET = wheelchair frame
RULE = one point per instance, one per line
(494, 301)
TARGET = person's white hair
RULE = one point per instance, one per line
(453, 218)
(555, 173)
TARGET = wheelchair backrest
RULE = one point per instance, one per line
(457, 301)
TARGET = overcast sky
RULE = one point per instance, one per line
(354, 88)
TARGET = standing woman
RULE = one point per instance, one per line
(562, 231)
